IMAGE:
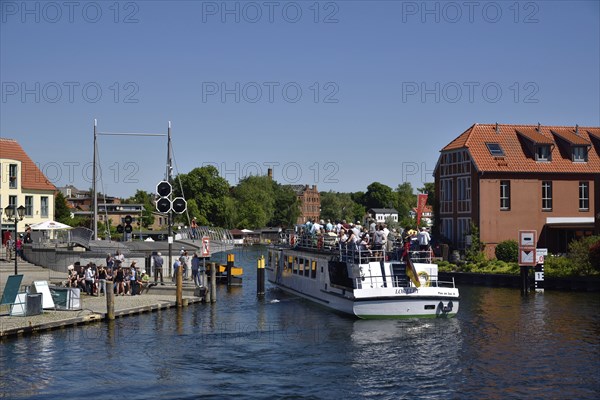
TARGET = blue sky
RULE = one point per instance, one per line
(335, 93)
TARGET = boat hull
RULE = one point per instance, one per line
(375, 290)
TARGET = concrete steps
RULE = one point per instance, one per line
(29, 271)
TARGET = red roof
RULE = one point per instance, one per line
(517, 143)
(570, 136)
(31, 176)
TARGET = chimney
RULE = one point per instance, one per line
(576, 129)
(270, 173)
(538, 127)
(497, 129)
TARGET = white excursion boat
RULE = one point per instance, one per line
(369, 284)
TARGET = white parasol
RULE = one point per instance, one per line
(49, 226)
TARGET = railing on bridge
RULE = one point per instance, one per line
(215, 234)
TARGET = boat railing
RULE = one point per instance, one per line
(396, 281)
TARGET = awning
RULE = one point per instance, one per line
(577, 222)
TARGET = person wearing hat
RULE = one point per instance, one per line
(424, 240)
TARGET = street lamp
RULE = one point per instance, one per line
(10, 213)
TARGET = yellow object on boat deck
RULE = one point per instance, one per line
(235, 271)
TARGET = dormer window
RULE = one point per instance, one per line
(542, 152)
(495, 149)
(579, 154)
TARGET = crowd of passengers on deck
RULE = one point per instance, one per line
(372, 241)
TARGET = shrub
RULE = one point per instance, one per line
(559, 267)
(595, 256)
(580, 252)
(508, 251)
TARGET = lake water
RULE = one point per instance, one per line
(500, 346)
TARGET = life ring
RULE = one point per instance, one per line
(425, 276)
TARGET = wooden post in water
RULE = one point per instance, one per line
(110, 300)
(524, 280)
(179, 289)
(205, 282)
(260, 276)
(213, 282)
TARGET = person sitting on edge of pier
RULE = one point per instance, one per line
(72, 278)
(144, 283)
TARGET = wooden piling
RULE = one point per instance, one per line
(213, 282)
(110, 300)
(179, 289)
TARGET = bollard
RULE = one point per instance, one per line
(260, 276)
(110, 300)
(230, 261)
(179, 289)
(213, 282)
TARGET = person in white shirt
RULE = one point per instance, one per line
(424, 239)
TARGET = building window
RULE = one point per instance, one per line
(464, 194)
(579, 154)
(463, 228)
(542, 153)
(12, 201)
(584, 196)
(44, 206)
(29, 206)
(446, 195)
(12, 176)
(547, 196)
(447, 228)
(505, 195)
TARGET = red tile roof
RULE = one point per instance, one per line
(515, 141)
(570, 136)
(535, 136)
(31, 176)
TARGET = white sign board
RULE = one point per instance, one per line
(540, 254)
(42, 287)
(527, 238)
(527, 257)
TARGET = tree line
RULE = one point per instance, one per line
(259, 201)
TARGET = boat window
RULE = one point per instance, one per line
(313, 273)
(430, 306)
(270, 259)
(295, 265)
(307, 268)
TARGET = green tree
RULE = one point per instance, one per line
(287, 206)
(429, 188)
(255, 201)
(61, 209)
(208, 190)
(340, 206)
(379, 196)
(405, 200)
(147, 200)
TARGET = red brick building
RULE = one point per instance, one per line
(504, 178)
(310, 202)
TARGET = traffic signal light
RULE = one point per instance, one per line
(163, 188)
(179, 205)
(163, 205)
